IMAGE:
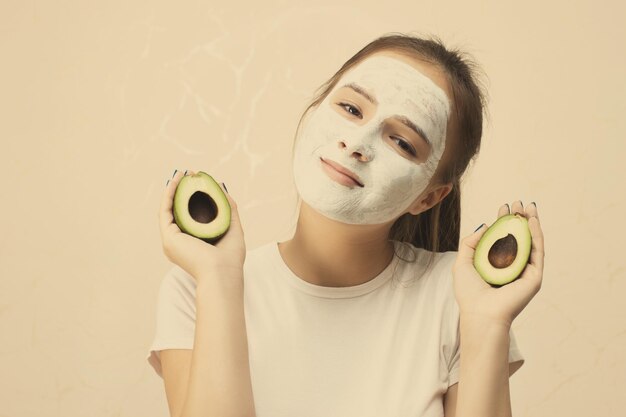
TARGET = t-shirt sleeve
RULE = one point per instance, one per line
(516, 359)
(175, 316)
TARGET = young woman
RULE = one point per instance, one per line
(363, 311)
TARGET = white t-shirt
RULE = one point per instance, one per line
(388, 347)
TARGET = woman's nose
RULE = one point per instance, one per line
(359, 155)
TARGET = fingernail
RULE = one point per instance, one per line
(534, 204)
(224, 185)
(479, 227)
(508, 207)
(168, 181)
(174, 173)
(185, 172)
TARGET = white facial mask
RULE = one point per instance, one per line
(392, 179)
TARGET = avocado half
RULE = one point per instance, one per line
(200, 207)
(503, 251)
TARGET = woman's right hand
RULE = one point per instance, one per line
(192, 254)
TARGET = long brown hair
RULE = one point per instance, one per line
(438, 228)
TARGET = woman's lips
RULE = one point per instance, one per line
(340, 173)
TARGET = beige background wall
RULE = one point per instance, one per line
(101, 101)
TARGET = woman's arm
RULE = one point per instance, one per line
(218, 384)
(175, 366)
(219, 379)
(486, 315)
(483, 389)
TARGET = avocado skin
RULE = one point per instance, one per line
(524, 243)
(177, 206)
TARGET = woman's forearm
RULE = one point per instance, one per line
(484, 375)
(219, 379)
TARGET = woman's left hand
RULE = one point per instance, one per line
(477, 298)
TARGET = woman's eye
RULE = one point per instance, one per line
(349, 106)
(407, 147)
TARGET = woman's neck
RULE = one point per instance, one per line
(333, 254)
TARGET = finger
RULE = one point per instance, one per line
(166, 217)
(234, 212)
(517, 207)
(537, 252)
(467, 246)
(504, 210)
(531, 211)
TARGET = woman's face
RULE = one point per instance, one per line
(385, 120)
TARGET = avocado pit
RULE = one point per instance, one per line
(503, 252)
(202, 208)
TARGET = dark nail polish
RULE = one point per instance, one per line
(508, 207)
(174, 173)
(185, 173)
(224, 185)
(534, 204)
(168, 181)
(479, 227)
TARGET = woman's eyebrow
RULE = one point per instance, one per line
(403, 119)
(357, 88)
(408, 123)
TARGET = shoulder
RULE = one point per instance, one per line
(261, 251)
(448, 258)
(437, 281)
(442, 265)
(179, 286)
(439, 274)
(179, 279)
(432, 269)
(437, 266)
(422, 255)
(259, 257)
(445, 278)
(446, 263)
(450, 305)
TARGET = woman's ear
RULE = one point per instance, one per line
(425, 201)
(445, 190)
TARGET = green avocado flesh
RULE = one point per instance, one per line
(200, 207)
(504, 249)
